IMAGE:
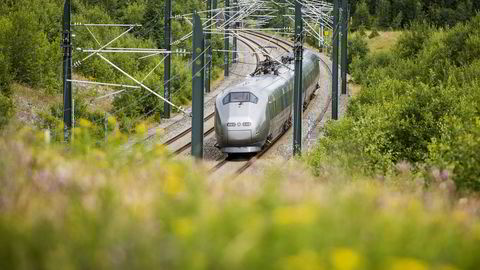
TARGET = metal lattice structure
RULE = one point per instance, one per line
(311, 19)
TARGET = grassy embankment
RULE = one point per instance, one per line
(85, 208)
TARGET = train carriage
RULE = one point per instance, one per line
(256, 111)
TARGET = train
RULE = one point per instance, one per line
(250, 115)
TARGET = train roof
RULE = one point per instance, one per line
(267, 83)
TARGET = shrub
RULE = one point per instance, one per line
(5, 76)
(6, 110)
(373, 34)
(457, 150)
(357, 48)
(416, 105)
(412, 42)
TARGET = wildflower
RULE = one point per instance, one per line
(85, 123)
(305, 260)
(183, 227)
(174, 183)
(345, 259)
(294, 215)
(160, 149)
(408, 264)
(141, 129)
(460, 216)
(112, 121)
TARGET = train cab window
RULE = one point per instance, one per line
(240, 97)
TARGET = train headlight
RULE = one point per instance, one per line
(230, 124)
(247, 124)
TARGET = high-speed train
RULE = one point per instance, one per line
(256, 111)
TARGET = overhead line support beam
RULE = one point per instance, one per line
(235, 26)
(344, 52)
(208, 43)
(166, 66)
(226, 46)
(298, 87)
(67, 71)
(335, 41)
(198, 62)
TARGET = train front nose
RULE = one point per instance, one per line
(239, 131)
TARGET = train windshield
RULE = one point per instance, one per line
(240, 97)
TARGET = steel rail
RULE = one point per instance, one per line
(254, 158)
(208, 117)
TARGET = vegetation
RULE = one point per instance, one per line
(419, 104)
(392, 179)
(142, 209)
(30, 53)
(398, 14)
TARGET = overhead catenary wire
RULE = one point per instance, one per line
(257, 12)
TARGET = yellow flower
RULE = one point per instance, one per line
(174, 182)
(460, 216)
(183, 227)
(345, 259)
(85, 123)
(160, 149)
(294, 215)
(112, 121)
(408, 264)
(304, 260)
(141, 128)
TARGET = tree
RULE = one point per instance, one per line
(383, 13)
(361, 16)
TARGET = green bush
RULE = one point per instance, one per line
(365, 69)
(457, 150)
(6, 110)
(357, 48)
(411, 42)
(410, 99)
(373, 34)
(5, 76)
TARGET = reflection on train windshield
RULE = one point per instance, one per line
(240, 97)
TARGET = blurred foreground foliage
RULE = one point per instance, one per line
(81, 207)
(419, 103)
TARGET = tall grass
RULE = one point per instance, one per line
(79, 207)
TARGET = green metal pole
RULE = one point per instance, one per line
(298, 87)
(167, 61)
(226, 54)
(235, 26)
(67, 71)
(208, 43)
(335, 41)
(344, 59)
(198, 62)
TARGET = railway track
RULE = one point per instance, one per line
(260, 46)
(242, 166)
(180, 142)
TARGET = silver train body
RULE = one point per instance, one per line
(258, 110)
